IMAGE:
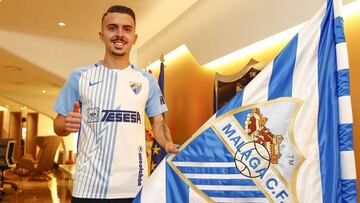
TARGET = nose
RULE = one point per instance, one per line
(120, 32)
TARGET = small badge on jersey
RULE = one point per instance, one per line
(136, 87)
(93, 114)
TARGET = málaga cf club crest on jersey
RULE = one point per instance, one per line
(135, 86)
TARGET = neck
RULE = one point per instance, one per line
(119, 62)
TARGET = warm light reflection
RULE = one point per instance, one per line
(23, 133)
(260, 45)
(168, 57)
(351, 8)
(61, 24)
(53, 189)
(348, 10)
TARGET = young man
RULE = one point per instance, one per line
(106, 104)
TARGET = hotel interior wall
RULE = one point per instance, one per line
(189, 85)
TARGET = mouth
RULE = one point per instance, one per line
(118, 43)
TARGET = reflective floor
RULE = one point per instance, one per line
(54, 190)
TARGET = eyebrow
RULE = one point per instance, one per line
(116, 26)
(112, 24)
(128, 26)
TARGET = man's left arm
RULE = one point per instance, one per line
(162, 134)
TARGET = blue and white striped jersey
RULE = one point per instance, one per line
(111, 160)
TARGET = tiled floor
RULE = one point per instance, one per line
(54, 190)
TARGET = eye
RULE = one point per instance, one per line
(111, 28)
(127, 29)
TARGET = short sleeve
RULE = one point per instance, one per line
(69, 94)
(155, 104)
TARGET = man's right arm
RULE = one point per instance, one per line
(64, 125)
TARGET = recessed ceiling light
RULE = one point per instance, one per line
(44, 91)
(61, 24)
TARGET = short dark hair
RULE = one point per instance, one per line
(119, 9)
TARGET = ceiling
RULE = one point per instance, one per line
(82, 17)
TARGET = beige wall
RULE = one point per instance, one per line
(45, 126)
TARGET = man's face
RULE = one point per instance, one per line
(118, 33)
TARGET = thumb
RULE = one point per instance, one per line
(76, 107)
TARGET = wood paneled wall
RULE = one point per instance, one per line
(31, 133)
(1, 123)
(15, 131)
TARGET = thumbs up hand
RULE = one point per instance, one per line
(73, 119)
(76, 107)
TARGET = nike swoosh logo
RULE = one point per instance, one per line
(94, 83)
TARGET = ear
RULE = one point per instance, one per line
(101, 36)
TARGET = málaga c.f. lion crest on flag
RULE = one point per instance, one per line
(255, 127)
(252, 166)
(286, 137)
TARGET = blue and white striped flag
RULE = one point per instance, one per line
(158, 152)
(287, 137)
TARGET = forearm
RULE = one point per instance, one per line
(162, 134)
